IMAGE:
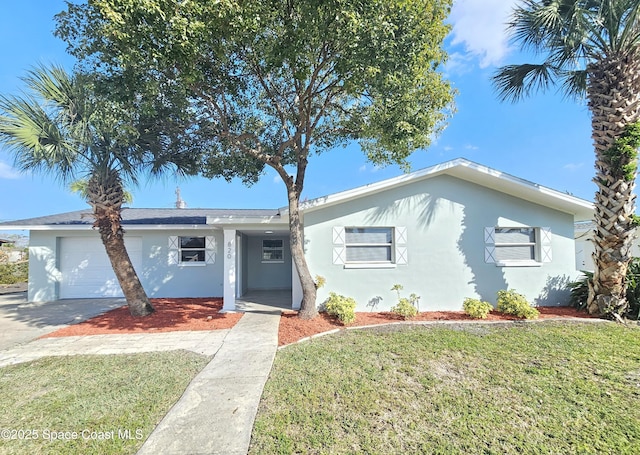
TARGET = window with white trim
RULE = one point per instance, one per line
(272, 250)
(505, 246)
(515, 244)
(192, 249)
(368, 245)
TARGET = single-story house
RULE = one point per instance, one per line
(450, 231)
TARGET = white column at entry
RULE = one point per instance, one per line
(229, 290)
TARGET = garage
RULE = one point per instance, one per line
(86, 270)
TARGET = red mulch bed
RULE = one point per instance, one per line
(171, 315)
(293, 328)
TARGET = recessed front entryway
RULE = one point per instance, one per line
(263, 262)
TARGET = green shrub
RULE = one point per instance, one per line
(406, 307)
(510, 302)
(476, 308)
(580, 289)
(633, 288)
(344, 308)
(14, 272)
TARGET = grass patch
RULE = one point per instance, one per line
(533, 388)
(90, 404)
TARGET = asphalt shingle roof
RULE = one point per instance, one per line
(133, 216)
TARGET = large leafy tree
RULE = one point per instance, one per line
(272, 83)
(60, 127)
(592, 48)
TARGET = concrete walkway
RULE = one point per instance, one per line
(215, 414)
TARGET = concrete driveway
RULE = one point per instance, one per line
(21, 322)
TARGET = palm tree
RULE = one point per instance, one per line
(61, 127)
(592, 48)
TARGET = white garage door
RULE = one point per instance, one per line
(86, 270)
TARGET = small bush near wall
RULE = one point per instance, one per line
(406, 307)
(510, 302)
(344, 308)
(476, 308)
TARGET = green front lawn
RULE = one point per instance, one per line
(548, 388)
(90, 404)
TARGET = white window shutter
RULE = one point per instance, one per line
(400, 244)
(338, 235)
(489, 247)
(173, 257)
(339, 250)
(545, 244)
(490, 254)
(401, 255)
(401, 235)
(210, 257)
(210, 249)
(490, 235)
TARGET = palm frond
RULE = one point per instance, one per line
(533, 22)
(37, 140)
(514, 82)
(630, 34)
(574, 83)
(50, 84)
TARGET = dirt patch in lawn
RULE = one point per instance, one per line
(293, 328)
(171, 315)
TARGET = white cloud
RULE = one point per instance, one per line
(362, 168)
(470, 147)
(277, 179)
(573, 166)
(447, 148)
(480, 26)
(7, 172)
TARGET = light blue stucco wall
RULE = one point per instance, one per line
(445, 219)
(261, 275)
(158, 276)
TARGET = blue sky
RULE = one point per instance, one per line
(545, 139)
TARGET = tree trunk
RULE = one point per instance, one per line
(308, 308)
(137, 300)
(613, 91)
(106, 196)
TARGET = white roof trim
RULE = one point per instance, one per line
(472, 172)
(246, 220)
